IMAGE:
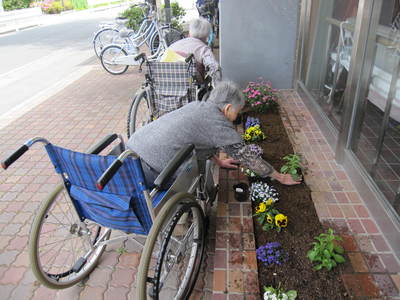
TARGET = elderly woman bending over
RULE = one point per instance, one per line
(196, 44)
(208, 126)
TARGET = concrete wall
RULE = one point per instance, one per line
(258, 38)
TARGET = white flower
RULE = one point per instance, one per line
(261, 192)
(284, 297)
(267, 295)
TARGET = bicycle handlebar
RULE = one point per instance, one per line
(13, 157)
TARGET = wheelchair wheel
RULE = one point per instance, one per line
(139, 113)
(103, 38)
(62, 252)
(108, 58)
(173, 252)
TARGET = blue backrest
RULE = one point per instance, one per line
(83, 170)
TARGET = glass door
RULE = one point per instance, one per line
(375, 139)
(329, 59)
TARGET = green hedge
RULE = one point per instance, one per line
(16, 4)
(80, 4)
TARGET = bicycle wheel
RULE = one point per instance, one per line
(109, 57)
(173, 252)
(62, 252)
(140, 113)
(104, 38)
(154, 43)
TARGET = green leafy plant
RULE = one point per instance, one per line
(135, 15)
(292, 166)
(15, 4)
(177, 13)
(121, 250)
(271, 293)
(326, 251)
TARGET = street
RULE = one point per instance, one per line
(34, 62)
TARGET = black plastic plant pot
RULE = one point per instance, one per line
(241, 191)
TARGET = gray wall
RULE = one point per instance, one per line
(258, 38)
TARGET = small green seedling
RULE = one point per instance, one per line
(121, 250)
(293, 166)
(326, 251)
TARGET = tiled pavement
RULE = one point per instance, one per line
(97, 105)
(75, 118)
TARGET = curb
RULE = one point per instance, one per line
(17, 28)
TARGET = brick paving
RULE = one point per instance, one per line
(74, 118)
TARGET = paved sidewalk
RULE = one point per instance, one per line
(74, 118)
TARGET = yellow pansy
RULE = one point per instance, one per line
(270, 220)
(269, 202)
(261, 208)
(281, 220)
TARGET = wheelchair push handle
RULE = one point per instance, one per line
(189, 58)
(13, 157)
(108, 174)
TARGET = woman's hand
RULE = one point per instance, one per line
(286, 179)
(228, 163)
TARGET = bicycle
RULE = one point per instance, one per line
(208, 9)
(116, 58)
(109, 32)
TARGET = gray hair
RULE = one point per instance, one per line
(226, 92)
(200, 29)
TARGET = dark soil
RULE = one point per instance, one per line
(295, 202)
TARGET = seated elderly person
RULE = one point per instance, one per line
(196, 44)
(208, 126)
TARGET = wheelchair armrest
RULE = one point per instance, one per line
(101, 145)
(173, 165)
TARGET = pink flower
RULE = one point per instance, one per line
(246, 90)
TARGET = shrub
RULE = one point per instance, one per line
(16, 4)
(135, 16)
(55, 7)
(79, 4)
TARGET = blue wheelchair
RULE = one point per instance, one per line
(72, 227)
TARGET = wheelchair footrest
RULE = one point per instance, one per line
(79, 264)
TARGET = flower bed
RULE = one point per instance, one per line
(290, 274)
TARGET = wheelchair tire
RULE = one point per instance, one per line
(162, 253)
(139, 114)
(56, 225)
(108, 57)
(103, 38)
